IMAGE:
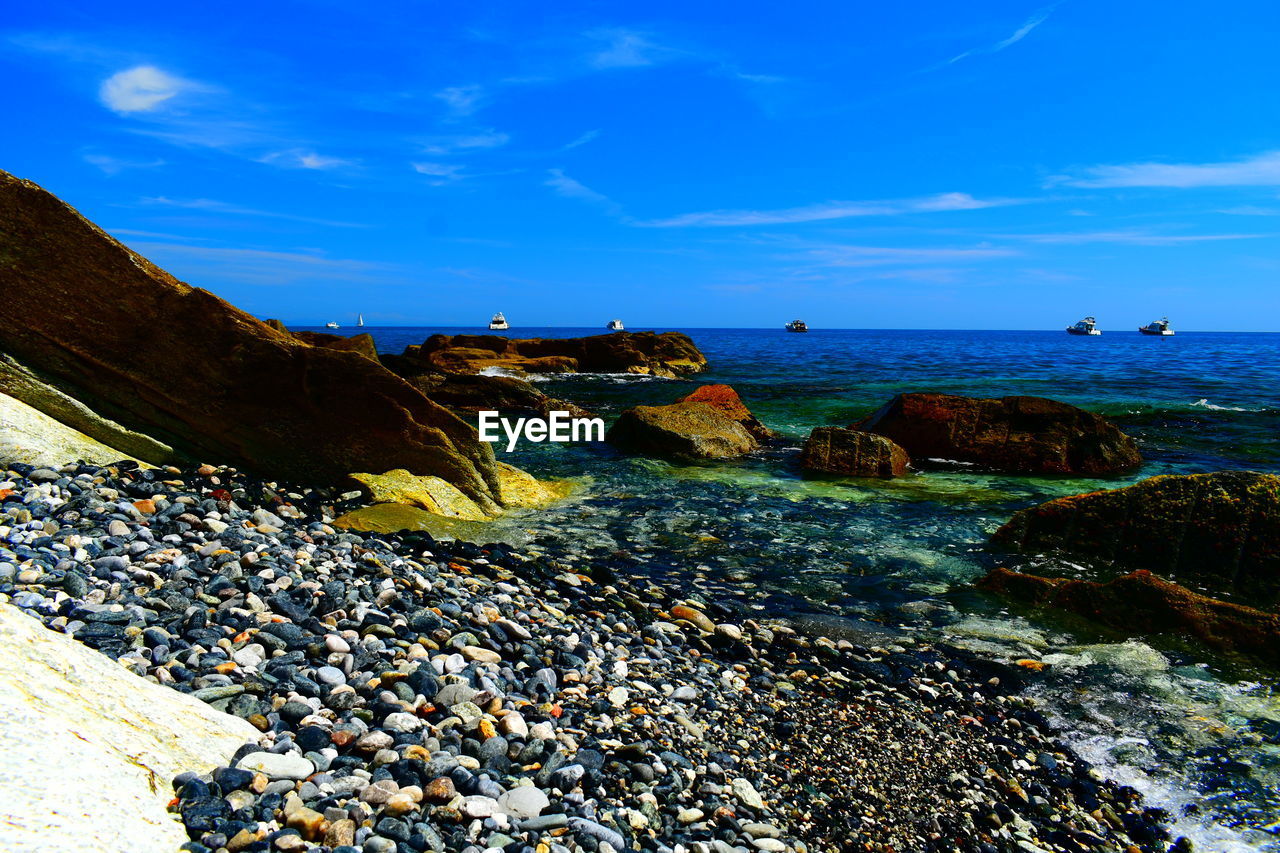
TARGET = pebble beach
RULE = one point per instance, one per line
(415, 694)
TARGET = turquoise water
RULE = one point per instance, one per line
(1193, 730)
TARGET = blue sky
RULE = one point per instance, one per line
(908, 165)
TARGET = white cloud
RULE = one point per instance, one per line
(866, 256)
(461, 100)
(440, 173)
(828, 210)
(115, 165)
(1132, 238)
(570, 188)
(466, 142)
(625, 49)
(589, 136)
(1251, 210)
(1018, 35)
(142, 89)
(299, 158)
(215, 206)
(1258, 171)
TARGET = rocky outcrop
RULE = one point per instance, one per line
(137, 346)
(1022, 435)
(468, 394)
(853, 453)
(682, 432)
(90, 747)
(668, 354)
(726, 399)
(361, 343)
(1142, 603)
(1218, 531)
(33, 437)
(517, 489)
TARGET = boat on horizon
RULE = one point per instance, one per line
(332, 325)
(797, 326)
(1159, 328)
(615, 326)
(499, 323)
(1087, 326)
(360, 321)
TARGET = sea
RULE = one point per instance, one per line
(1198, 733)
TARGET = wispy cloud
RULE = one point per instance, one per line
(461, 101)
(440, 173)
(1128, 237)
(570, 188)
(1251, 210)
(625, 48)
(1258, 171)
(442, 145)
(143, 88)
(260, 266)
(1018, 35)
(828, 211)
(589, 136)
(300, 158)
(115, 165)
(215, 206)
(867, 256)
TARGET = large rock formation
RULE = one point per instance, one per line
(853, 453)
(1141, 603)
(667, 354)
(1023, 435)
(724, 398)
(89, 747)
(681, 431)
(137, 346)
(468, 394)
(1219, 531)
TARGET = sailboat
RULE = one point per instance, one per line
(360, 320)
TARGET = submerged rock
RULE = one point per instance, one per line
(667, 354)
(726, 399)
(112, 330)
(853, 453)
(681, 431)
(1142, 603)
(90, 747)
(1021, 435)
(1220, 531)
(430, 493)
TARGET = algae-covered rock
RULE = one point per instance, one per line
(1220, 530)
(681, 431)
(727, 400)
(521, 489)
(1141, 603)
(397, 518)
(1021, 435)
(853, 453)
(426, 492)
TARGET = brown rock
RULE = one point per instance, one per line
(340, 832)
(853, 453)
(1021, 435)
(309, 822)
(697, 617)
(361, 343)
(724, 398)
(439, 790)
(1142, 603)
(1220, 531)
(681, 431)
(155, 355)
(667, 354)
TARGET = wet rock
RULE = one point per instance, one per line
(726, 399)
(853, 453)
(1022, 435)
(682, 432)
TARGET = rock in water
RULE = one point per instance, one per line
(667, 354)
(681, 431)
(724, 398)
(90, 747)
(136, 345)
(430, 493)
(1220, 531)
(853, 453)
(1021, 435)
(1141, 603)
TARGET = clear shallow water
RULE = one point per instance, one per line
(1187, 727)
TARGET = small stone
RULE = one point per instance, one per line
(523, 802)
(479, 806)
(514, 725)
(746, 793)
(475, 653)
(277, 766)
(697, 617)
(439, 790)
(309, 822)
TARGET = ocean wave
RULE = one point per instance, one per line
(1204, 403)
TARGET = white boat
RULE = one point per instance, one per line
(1157, 327)
(360, 320)
(615, 326)
(797, 326)
(332, 325)
(499, 323)
(1087, 326)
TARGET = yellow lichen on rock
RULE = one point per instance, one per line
(520, 489)
(430, 493)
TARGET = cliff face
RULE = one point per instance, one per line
(110, 329)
